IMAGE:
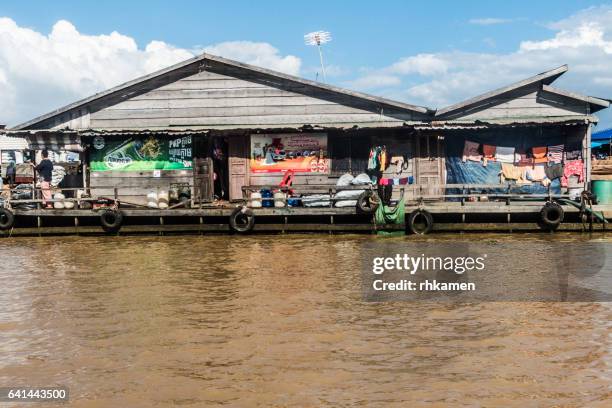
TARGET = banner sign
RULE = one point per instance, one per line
(298, 152)
(141, 154)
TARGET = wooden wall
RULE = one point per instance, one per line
(219, 96)
(133, 186)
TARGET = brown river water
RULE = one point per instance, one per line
(275, 321)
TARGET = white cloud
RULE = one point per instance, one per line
(422, 64)
(41, 72)
(374, 81)
(260, 54)
(583, 41)
(491, 21)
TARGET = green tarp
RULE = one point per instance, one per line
(391, 215)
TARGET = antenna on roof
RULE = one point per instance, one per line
(318, 38)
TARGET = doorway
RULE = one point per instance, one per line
(430, 165)
(218, 153)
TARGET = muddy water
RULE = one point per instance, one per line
(278, 321)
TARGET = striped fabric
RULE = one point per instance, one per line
(555, 153)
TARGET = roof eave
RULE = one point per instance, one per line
(546, 77)
(598, 102)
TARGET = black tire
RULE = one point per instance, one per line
(242, 220)
(368, 202)
(7, 219)
(111, 220)
(420, 222)
(551, 216)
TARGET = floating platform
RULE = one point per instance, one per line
(447, 216)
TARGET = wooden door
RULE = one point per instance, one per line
(430, 164)
(238, 152)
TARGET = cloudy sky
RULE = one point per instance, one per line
(426, 53)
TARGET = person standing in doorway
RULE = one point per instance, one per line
(45, 169)
(11, 172)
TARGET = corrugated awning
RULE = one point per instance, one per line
(54, 141)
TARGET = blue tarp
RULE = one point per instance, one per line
(458, 172)
(605, 134)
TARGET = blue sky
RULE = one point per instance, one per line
(429, 53)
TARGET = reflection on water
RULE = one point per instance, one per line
(278, 321)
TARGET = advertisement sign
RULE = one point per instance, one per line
(298, 152)
(141, 154)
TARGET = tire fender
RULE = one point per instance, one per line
(111, 220)
(242, 220)
(368, 202)
(420, 222)
(551, 216)
(7, 219)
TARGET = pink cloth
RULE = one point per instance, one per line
(46, 192)
(470, 151)
(571, 168)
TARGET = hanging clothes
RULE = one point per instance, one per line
(504, 154)
(372, 160)
(555, 153)
(511, 172)
(522, 159)
(471, 152)
(554, 171)
(539, 154)
(383, 159)
(572, 168)
(536, 173)
(488, 153)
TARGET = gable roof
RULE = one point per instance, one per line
(200, 61)
(595, 104)
(546, 77)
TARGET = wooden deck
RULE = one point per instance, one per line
(448, 216)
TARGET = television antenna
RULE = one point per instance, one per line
(318, 38)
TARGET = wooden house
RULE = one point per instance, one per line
(220, 125)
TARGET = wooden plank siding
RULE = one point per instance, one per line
(230, 98)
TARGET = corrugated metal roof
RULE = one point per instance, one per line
(510, 122)
(12, 143)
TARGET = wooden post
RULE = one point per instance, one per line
(587, 156)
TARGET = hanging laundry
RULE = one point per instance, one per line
(372, 159)
(396, 181)
(554, 171)
(539, 154)
(535, 173)
(471, 152)
(504, 154)
(572, 168)
(575, 154)
(511, 172)
(521, 158)
(555, 153)
(383, 159)
(399, 163)
(488, 153)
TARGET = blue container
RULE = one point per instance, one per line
(294, 202)
(267, 194)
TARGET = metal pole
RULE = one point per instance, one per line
(322, 66)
